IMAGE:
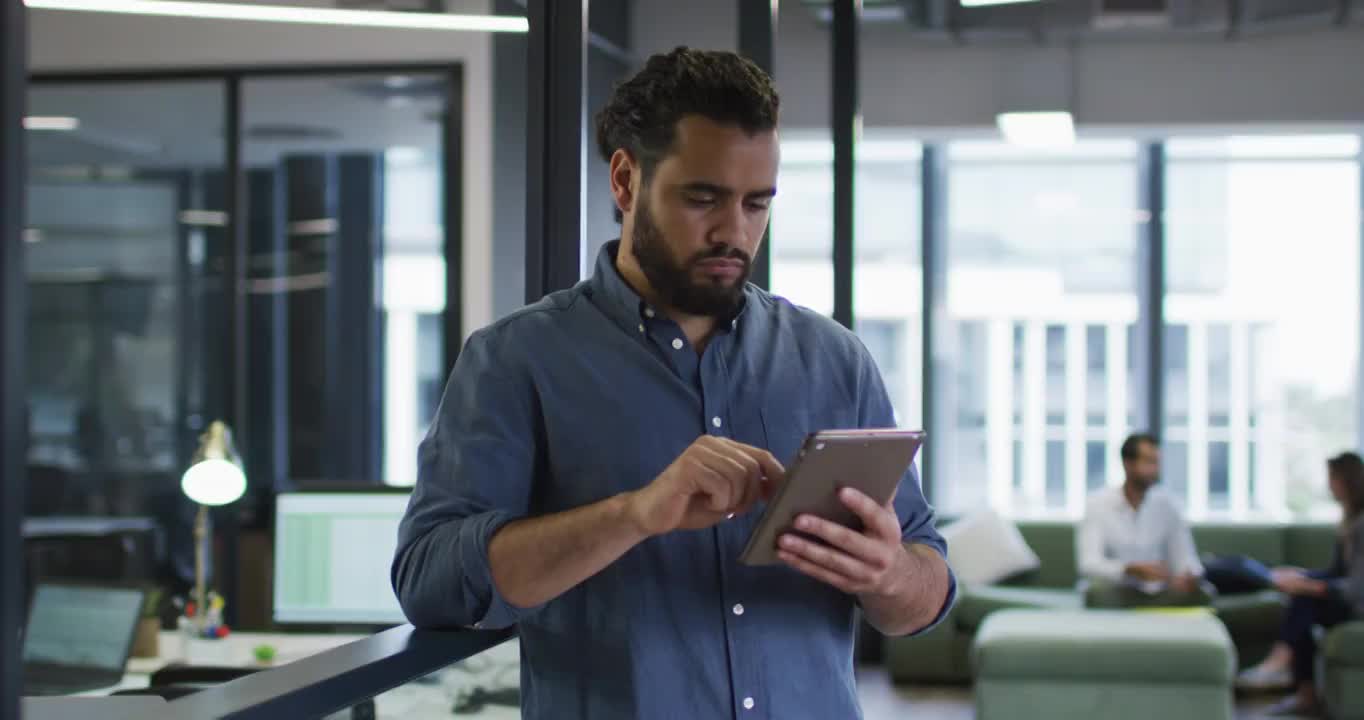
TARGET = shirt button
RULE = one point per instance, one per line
(641, 327)
(716, 421)
(739, 609)
(748, 703)
(648, 312)
(677, 343)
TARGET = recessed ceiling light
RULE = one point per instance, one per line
(988, 3)
(397, 82)
(282, 14)
(33, 235)
(51, 123)
(404, 155)
(1037, 129)
(204, 218)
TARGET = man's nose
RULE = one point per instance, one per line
(730, 228)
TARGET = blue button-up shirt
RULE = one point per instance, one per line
(590, 393)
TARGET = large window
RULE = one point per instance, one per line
(1041, 290)
(1038, 351)
(887, 282)
(802, 227)
(887, 289)
(1262, 320)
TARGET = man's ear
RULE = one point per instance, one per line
(625, 177)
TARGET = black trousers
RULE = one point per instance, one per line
(1303, 614)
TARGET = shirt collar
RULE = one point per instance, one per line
(627, 307)
(1119, 499)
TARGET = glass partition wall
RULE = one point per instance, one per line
(264, 248)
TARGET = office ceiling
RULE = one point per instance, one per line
(1045, 21)
(180, 123)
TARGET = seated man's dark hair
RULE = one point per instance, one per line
(1132, 445)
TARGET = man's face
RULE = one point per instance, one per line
(1337, 485)
(699, 220)
(1144, 469)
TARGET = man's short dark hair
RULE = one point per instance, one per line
(1132, 445)
(642, 114)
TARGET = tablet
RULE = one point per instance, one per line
(872, 461)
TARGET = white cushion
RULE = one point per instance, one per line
(985, 548)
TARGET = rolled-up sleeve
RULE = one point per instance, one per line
(917, 518)
(917, 527)
(1183, 552)
(474, 475)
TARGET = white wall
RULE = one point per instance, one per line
(70, 41)
(1302, 78)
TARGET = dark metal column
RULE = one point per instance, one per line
(356, 371)
(847, 16)
(13, 306)
(1150, 334)
(312, 199)
(1359, 361)
(758, 42)
(933, 246)
(226, 519)
(556, 145)
(234, 273)
(452, 183)
(267, 455)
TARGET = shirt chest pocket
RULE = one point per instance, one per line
(597, 452)
(784, 430)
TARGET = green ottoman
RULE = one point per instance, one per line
(1343, 656)
(1110, 664)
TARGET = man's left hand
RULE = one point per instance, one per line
(1185, 583)
(873, 561)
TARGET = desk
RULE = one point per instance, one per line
(65, 708)
(432, 697)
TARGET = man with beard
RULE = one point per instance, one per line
(1134, 545)
(593, 469)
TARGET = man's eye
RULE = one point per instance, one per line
(700, 200)
(759, 205)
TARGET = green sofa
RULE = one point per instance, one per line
(1252, 620)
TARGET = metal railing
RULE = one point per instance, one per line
(338, 678)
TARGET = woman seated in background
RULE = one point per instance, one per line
(1325, 597)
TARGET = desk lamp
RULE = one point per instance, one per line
(214, 478)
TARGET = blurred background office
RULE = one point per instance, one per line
(1170, 241)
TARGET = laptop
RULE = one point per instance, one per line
(78, 637)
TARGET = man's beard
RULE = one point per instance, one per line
(673, 282)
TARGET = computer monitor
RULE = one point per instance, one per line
(333, 551)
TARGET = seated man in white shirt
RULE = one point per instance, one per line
(1134, 545)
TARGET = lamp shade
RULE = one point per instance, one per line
(215, 475)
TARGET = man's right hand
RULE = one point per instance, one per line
(711, 480)
(1295, 581)
(1149, 571)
